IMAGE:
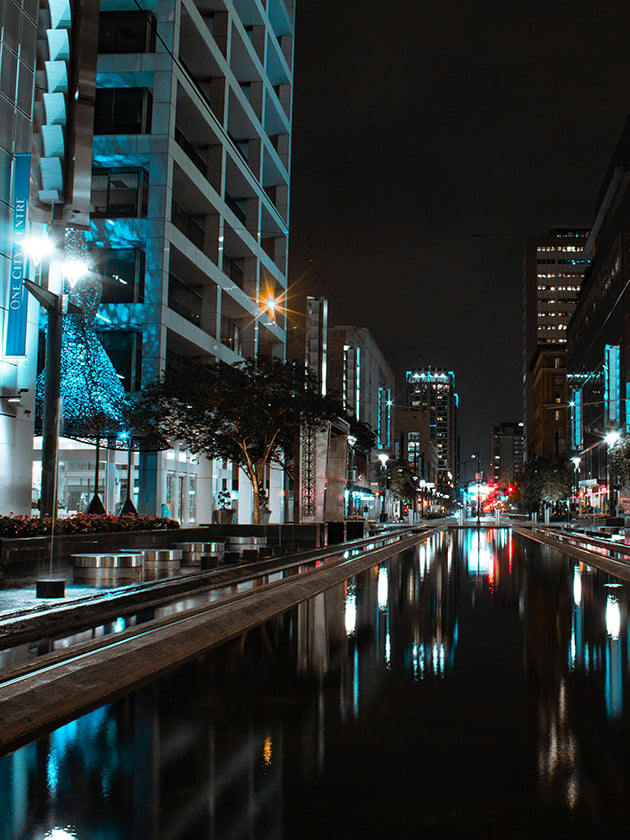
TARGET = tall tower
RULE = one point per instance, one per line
(553, 271)
(433, 391)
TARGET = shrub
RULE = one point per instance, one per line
(81, 523)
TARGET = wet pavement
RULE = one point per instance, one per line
(18, 599)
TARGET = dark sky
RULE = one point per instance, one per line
(428, 140)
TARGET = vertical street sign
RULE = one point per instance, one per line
(17, 303)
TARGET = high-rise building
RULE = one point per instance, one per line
(18, 39)
(432, 390)
(506, 452)
(553, 270)
(188, 199)
(598, 335)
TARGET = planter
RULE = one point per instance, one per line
(224, 516)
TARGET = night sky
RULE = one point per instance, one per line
(428, 140)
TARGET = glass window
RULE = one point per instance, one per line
(124, 348)
(126, 32)
(122, 270)
(120, 192)
(122, 111)
(25, 89)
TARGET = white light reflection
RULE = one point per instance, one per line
(480, 558)
(577, 587)
(351, 610)
(613, 617)
(382, 588)
(60, 834)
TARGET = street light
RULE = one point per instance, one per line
(576, 461)
(383, 457)
(351, 444)
(478, 476)
(40, 249)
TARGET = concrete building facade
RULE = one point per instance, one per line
(187, 229)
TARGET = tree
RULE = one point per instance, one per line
(249, 413)
(400, 480)
(547, 480)
(619, 462)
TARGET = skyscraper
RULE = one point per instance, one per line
(506, 453)
(553, 271)
(433, 391)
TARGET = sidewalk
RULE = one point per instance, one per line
(15, 600)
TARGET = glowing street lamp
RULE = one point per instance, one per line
(576, 461)
(41, 248)
(383, 457)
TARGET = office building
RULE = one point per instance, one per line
(598, 335)
(188, 185)
(18, 39)
(432, 391)
(506, 453)
(361, 377)
(553, 270)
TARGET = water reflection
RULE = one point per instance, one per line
(475, 684)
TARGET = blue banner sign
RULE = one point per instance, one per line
(17, 304)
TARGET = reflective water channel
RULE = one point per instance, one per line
(475, 686)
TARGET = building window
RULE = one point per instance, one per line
(124, 348)
(123, 191)
(126, 32)
(123, 111)
(123, 275)
(184, 299)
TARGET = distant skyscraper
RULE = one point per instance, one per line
(506, 453)
(553, 271)
(433, 391)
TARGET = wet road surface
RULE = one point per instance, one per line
(475, 686)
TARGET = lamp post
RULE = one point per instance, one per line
(383, 457)
(351, 444)
(56, 306)
(576, 461)
(475, 457)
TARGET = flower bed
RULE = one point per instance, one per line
(81, 523)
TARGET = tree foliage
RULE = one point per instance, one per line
(619, 462)
(363, 434)
(249, 413)
(400, 480)
(547, 480)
